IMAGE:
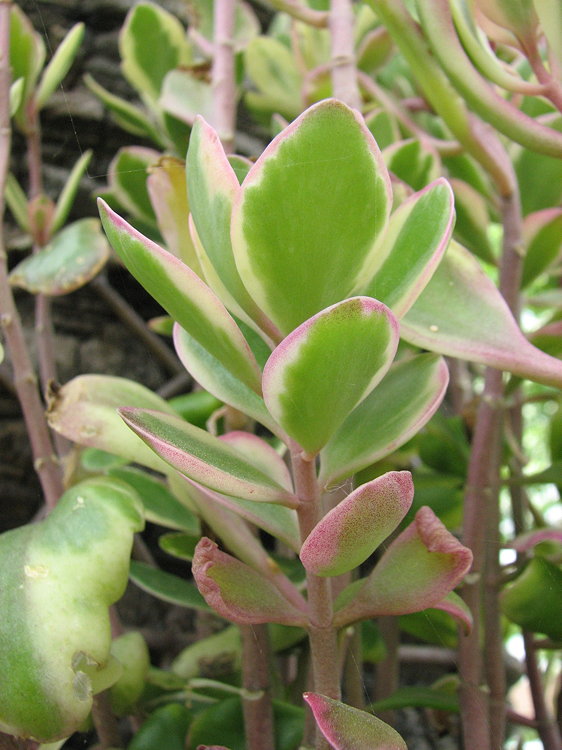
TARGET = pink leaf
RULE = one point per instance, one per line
(239, 593)
(417, 571)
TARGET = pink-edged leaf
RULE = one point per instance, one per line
(348, 728)
(262, 455)
(300, 247)
(212, 186)
(453, 605)
(476, 324)
(353, 530)
(239, 593)
(329, 364)
(400, 405)
(526, 542)
(184, 296)
(412, 246)
(204, 458)
(421, 566)
(216, 378)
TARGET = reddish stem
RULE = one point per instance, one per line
(343, 61)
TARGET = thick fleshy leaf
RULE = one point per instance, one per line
(526, 542)
(329, 364)
(417, 571)
(160, 505)
(539, 176)
(185, 95)
(518, 16)
(215, 378)
(57, 580)
(246, 23)
(166, 188)
(166, 586)
(453, 605)
(353, 530)
(85, 411)
(472, 220)
(239, 593)
(348, 728)
(533, 599)
(204, 458)
(212, 186)
(262, 455)
(542, 233)
(478, 325)
(27, 55)
(413, 162)
(299, 247)
(402, 403)
(273, 70)
(131, 652)
(549, 13)
(59, 65)
(412, 247)
(72, 258)
(187, 299)
(67, 196)
(151, 43)
(128, 174)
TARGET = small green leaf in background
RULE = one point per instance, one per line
(195, 407)
(325, 367)
(179, 545)
(533, 599)
(60, 64)
(274, 72)
(542, 234)
(27, 54)
(166, 586)
(165, 728)
(472, 220)
(131, 652)
(72, 258)
(299, 247)
(413, 162)
(68, 193)
(57, 580)
(128, 173)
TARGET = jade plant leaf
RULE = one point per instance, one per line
(348, 728)
(60, 64)
(152, 42)
(128, 171)
(350, 532)
(218, 380)
(212, 186)
(421, 566)
(72, 258)
(542, 233)
(478, 326)
(185, 95)
(205, 458)
(131, 652)
(397, 409)
(412, 247)
(325, 367)
(57, 580)
(239, 593)
(184, 296)
(274, 71)
(299, 247)
(84, 410)
(27, 55)
(414, 163)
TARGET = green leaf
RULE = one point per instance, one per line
(57, 580)
(204, 458)
(179, 545)
(414, 163)
(224, 722)
(539, 176)
(195, 407)
(131, 652)
(72, 258)
(298, 246)
(212, 186)
(412, 247)
(329, 364)
(160, 505)
(128, 174)
(59, 64)
(398, 408)
(184, 296)
(218, 380)
(152, 42)
(68, 193)
(532, 600)
(348, 728)
(472, 220)
(421, 697)
(185, 96)
(166, 728)
(542, 233)
(224, 647)
(27, 55)
(16, 95)
(273, 70)
(167, 587)
(478, 325)
(126, 115)
(17, 203)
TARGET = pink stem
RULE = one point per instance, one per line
(224, 90)
(343, 61)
